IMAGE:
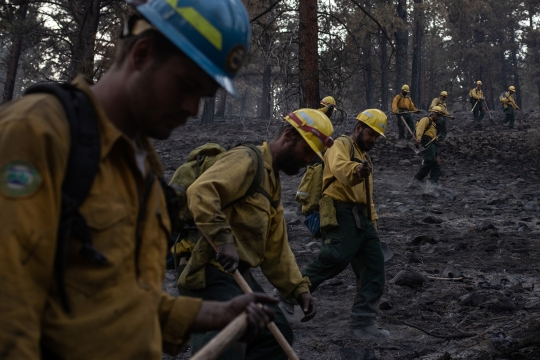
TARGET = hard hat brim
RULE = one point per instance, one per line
(157, 20)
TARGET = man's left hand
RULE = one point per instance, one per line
(438, 159)
(308, 306)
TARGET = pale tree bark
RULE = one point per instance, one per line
(308, 63)
(207, 116)
(402, 42)
(416, 88)
(86, 14)
(220, 112)
(15, 53)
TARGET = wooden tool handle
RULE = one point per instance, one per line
(271, 325)
(226, 337)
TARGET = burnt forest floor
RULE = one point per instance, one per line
(467, 254)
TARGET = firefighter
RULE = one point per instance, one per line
(327, 106)
(99, 296)
(353, 238)
(441, 125)
(402, 106)
(252, 232)
(509, 104)
(477, 100)
(426, 132)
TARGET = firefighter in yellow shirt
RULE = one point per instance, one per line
(477, 100)
(441, 125)
(509, 104)
(352, 238)
(403, 104)
(426, 131)
(102, 298)
(252, 232)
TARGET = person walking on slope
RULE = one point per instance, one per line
(509, 104)
(353, 238)
(477, 100)
(251, 232)
(96, 291)
(402, 106)
(441, 125)
(426, 131)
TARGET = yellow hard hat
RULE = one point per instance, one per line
(512, 88)
(444, 93)
(314, 126)
(437, 110)
(326, 103)
(405, 88)
(375, 119)
(478, 82)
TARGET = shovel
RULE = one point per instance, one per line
(387, 253)
(417, 148)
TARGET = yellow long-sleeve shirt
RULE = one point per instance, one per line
(256, 228)
(424, 124)
(402, 102)
(118, 311)
(476, 94)
(508, 99)
(346, 186)
(439, 102)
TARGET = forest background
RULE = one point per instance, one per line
(359, 51)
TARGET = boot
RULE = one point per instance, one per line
(370, 332)
(415, 183)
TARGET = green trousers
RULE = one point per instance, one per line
(222, 287)
(479, 111)
(509, 116)
(358, 245)
(429, 165)
(401, 126)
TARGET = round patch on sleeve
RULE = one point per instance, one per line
(19, 178)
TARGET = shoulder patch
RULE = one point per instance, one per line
(19, 178)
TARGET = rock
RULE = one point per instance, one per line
(294, 222)
(313, 245)
(494, 201)
(501, 304)
(451, 272)
(485, 226)
(423, 239)
(404, 162)
(445, 356)
(427, 248)
(409, 278)
(472, 299)
(522, 227)
(433, 220)
(384, 304)
(531, 206)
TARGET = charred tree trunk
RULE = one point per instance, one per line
(15, 54)
(368, 72)
(416, 88)
(402, 42)
(221, 103)
(385, 69)
(308, 54)
(515, 74)
(86, 14)
(266, 98)
(243, 104)
(208, 111)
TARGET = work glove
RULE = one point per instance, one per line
(227, 256)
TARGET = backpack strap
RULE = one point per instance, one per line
(82, 167)
(256, 185)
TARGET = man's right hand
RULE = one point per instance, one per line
(227, 256)
(363, 170)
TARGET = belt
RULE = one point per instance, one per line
(343, 205)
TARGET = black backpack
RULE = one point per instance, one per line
(82, 167)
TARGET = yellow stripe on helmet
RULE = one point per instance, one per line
(203, 26)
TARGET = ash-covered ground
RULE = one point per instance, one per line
(464, 279)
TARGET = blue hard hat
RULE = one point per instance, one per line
(215, 34)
